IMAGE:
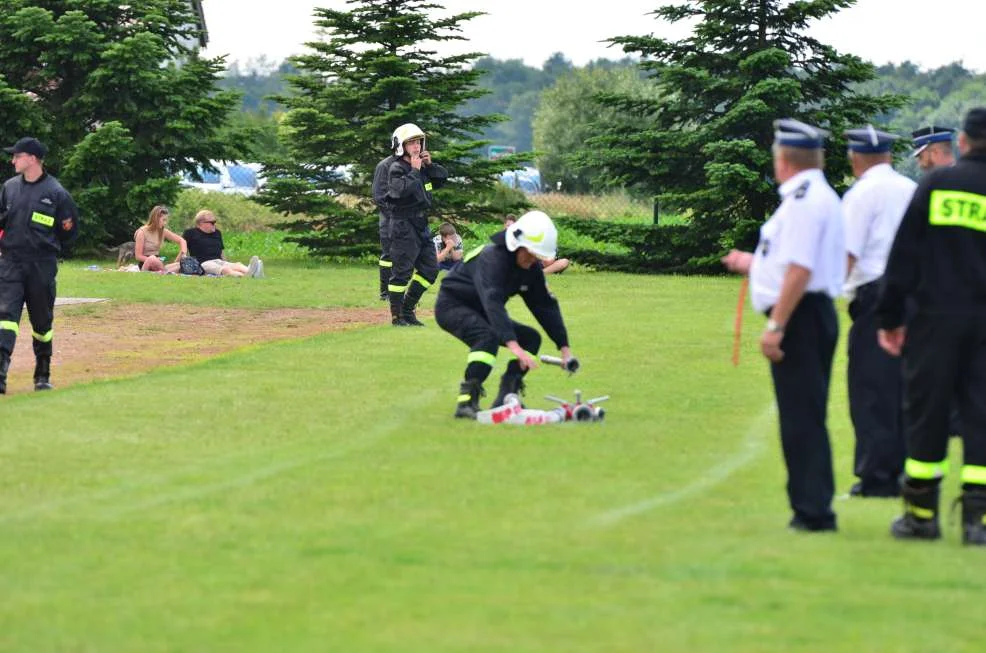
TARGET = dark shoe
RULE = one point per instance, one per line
(869, 491)
(399, 322)
(469, 393)
(920, 518)
(411, 319)
(509, 384)
(799, 523)
(910, 527)
(42, 373)
(973, 517)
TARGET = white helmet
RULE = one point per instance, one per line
(404, 133)
(535, 231)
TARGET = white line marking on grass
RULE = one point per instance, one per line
(751, 448)
(127, 498)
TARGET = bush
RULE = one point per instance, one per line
(236, 213)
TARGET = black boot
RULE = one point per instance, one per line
(469, 393)
(4, 368)
(974, 516)
(414, 292)
(920, 518)
(396, 299)
(510, 383)
(42, 373)
(384, 281)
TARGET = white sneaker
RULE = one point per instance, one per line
(252, 268)
(259, 273)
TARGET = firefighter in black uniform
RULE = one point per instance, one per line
(39, 220)
(471, 306)
(380, 199)
(938, 259)
(410, 180)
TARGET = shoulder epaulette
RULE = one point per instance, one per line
(802, 190)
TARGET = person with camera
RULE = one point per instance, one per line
(205, 243)
(448, 246)
(410, 181)
(39, 221)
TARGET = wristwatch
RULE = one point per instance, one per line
(774, 327)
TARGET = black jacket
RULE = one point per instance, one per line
(939, 253)
(488, 276)
(39, 219)
(409, 190)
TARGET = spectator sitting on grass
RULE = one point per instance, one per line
(149, 238)
(205, 242)
(548, 265)
(448, 246)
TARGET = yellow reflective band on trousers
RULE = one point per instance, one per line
(386, 264)
(393, 288)
(43, 337)
(925, 471)
(481, 357)
(6, 325)
(424, 282)
(974, 474)
(921, 513)
(463, 399)
(954, 208)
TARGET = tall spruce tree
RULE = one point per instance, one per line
(375, 69)
(703, 147)
(119, 94)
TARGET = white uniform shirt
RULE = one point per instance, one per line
(806, 229)
(873, 209)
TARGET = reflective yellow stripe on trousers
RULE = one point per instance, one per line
(6, 325)
(481, 357)
(925, 471)
(43, 337)
(974, 474)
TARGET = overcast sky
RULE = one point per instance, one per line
(929, 33)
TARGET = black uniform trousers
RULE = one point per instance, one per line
(469, 324)
(945, 361)
(412, 252)
(875, 399)
(31, 282)
(801, 385)
(385, 264)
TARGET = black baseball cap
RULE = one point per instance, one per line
(975, 124)
(28, 145)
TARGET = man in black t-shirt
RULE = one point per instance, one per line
(205, 243)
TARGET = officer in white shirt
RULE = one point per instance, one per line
(872, 210)
(795, 272)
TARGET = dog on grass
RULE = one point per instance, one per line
(124, 253)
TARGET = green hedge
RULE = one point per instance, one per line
(651, 249)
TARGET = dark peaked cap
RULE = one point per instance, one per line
(869, 140)
(927, 135)
(794, 133)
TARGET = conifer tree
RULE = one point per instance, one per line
(376, 68)
(703, 145)
(120, 96)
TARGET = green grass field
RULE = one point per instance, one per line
(316, 495)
